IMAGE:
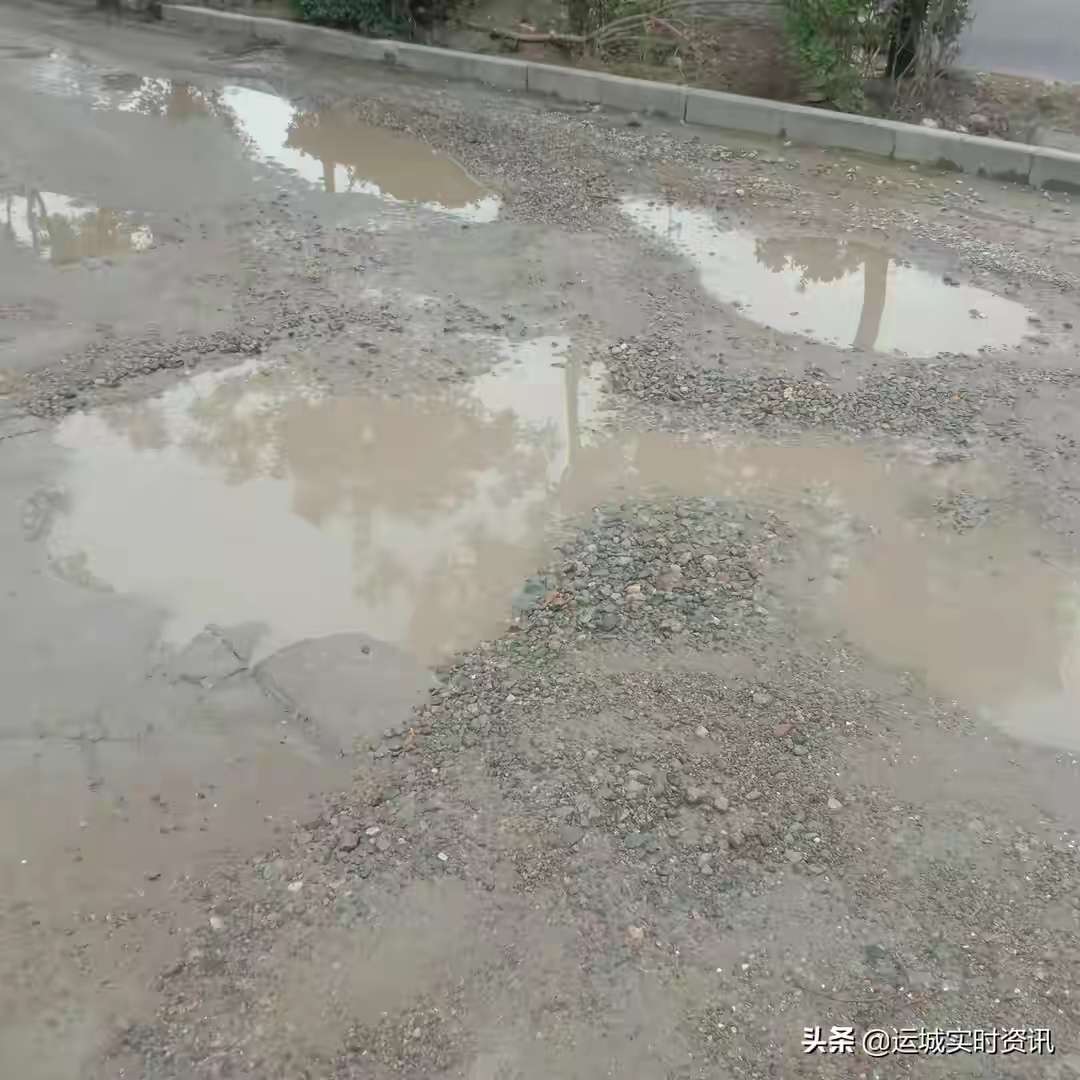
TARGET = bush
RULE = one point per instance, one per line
(938, 43)
(393, 17)
(837, 42)
(840, 43)
(587, 16)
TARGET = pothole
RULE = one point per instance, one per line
(64, 230)
(333, 150)
(328, 148)
(410, 520)
(845, 293)
(252, 496)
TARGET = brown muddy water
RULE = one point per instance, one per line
(333, 150)
(833, 290)
(251, 496)
(328, 148)
(64, 230)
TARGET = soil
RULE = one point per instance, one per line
(1002, 106)
(748, 55)
(486, 595)
(745, 55)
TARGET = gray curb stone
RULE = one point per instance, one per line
(711, 108)
(1041, 167)
(452, 64)
(819, 127)
(966, 153)
(1055, 169)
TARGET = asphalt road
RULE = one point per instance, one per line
(1036, 38)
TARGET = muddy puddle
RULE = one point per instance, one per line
(845, 293)
(251, 496)
(329, 148)
(63, 230)
(412, 521)
(334, 151)
(986, 618)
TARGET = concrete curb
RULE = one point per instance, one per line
(1036, 165)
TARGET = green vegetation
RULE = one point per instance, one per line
(377, 17)
(836, 41)
(841, 43)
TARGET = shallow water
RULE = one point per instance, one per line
(837, 291)
(250, 496)
(333, 150)
(62, 230)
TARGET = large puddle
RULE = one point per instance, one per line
(63, 230)
(248, 496)
(329, 148)
(333, 150)
(837, 291)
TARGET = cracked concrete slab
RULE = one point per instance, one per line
(345, 686)
(207, 659)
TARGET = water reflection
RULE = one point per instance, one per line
(64, 230)
(174, 101)
(329, 148)
(551, 392)
(251, 497)
(845, 293)
(827, 261)
(334, 150)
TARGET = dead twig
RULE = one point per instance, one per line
(663, 24)
(664, 17)
(549, 38)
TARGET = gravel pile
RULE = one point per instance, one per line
(107, 365)
(611, 818)
(959, 399)
(57, 391)
(640, 825)
(658, 572)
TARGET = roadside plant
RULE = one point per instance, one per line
(934, 49)
(842, 43)
(389, 17)
(837, 42)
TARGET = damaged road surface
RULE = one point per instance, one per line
(493, 592)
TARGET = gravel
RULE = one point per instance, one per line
(960, 400)
(668, 814)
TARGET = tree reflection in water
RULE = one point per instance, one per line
(821, 261)
(443, 503)
(56, 228)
